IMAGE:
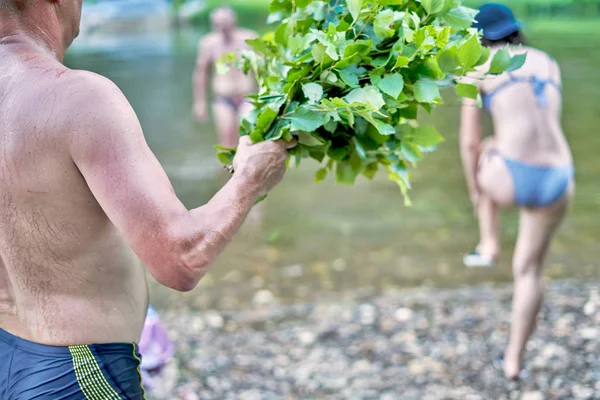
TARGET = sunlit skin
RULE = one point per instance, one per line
(225, 38)
(522, 131)
(84, 198)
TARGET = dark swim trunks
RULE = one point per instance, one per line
(31, 371)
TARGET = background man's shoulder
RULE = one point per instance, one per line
(247, 33)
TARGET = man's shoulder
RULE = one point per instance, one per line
(209, 40)
(246, 33)
(86, 95)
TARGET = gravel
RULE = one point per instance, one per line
(414, 344)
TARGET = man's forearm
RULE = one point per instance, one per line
(225, 212)
(214, 225)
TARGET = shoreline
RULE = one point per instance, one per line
(402, 344)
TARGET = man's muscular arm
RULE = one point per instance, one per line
(176, 245)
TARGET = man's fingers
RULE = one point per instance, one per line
(287, 145)
(245, 140)
(291, 144)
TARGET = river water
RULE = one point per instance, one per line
(324, 237)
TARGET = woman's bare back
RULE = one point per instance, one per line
(526, 106)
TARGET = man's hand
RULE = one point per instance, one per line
(200, 112)
(263, 164)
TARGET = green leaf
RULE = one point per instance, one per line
(328, 76)
(225, 158)
(313, 92)
(331, 126)
(259, 45)
(318, 53)
(485, 55)
(460, 18)
(443, 37)
(383, 128)
(371, 170)
(470, 52)
(426, 136)
(390, 2)
(411, 152)
(337, 153)
(401, 62)
(359, 47)
(349, 78)
(427, 91)
(304, 119)
(332, 52)
(297, 44)
(345, 173)
(359, 149)
(448, 60)
(320, 175)
(516, 62)
(282, 34)
(383, 24)
(319, 9)
(223, 148)
(399, 169)
(500, 62)
(431, 69)
(308, 139)
(354, 7)
(391, 85)
(467, 90)
(265, 119)
(367, 94)
(401, 180)
(433, 6)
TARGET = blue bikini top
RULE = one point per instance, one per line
(538, 85)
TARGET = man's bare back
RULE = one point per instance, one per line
(67, 265)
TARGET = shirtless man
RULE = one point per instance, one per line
(82, 200)
(229, 89)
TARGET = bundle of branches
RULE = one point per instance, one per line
(348, 78)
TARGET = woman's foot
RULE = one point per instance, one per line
(478, 260)
(482, 257)
(511, 369)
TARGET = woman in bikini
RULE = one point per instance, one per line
(526, 163)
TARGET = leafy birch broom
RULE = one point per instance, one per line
(348, 79)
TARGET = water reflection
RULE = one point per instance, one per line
(327, 236)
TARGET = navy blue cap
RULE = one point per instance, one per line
(496, 21)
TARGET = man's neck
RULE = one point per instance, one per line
(39, 37)
(228, 37)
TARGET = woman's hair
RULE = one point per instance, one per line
(514, 38)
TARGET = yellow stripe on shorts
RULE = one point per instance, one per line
(90, 377)
(138, 371)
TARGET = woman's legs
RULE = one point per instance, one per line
(488, 216)
(536, 229)
(496, 189)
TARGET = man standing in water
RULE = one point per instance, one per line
(82, 200)
(229, 89)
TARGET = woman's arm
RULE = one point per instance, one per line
(470, 138)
